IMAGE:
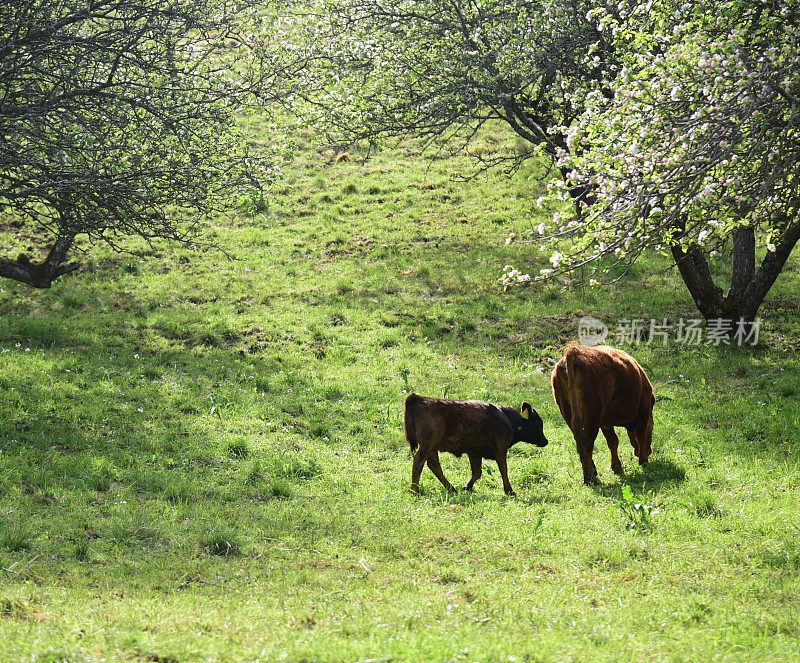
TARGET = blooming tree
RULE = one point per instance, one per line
(117, 118)
(377, 69)
(673, 123)
(697, 153)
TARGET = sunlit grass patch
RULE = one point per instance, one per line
(222, 541)
(204, 458)
(16, 535)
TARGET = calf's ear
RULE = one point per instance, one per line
(526, 411)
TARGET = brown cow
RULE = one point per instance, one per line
(599, 388)
(475, 428)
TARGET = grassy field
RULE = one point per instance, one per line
(202, 459)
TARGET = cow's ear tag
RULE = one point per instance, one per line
(525, 414)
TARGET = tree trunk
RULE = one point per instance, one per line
(696, 275)
(748, 288)
(744, 268)
(41, 274)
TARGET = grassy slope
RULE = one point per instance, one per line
(154, 415)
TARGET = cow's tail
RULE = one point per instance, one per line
(575, 377)
(408, 422)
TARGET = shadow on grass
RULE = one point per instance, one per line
(438, 496)
(90, 403)
(784, 561)
(81, 414)
(548, 498)
(658, 474)
(465, 498)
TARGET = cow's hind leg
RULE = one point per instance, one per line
(416, 468)
(613, 445)
(584, 441)
(436, 468)
(475, 462)
(634, 438)
(646, 441)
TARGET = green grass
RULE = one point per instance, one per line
(202, 459)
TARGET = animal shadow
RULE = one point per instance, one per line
(656, 474)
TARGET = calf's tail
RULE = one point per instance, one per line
(408, 422)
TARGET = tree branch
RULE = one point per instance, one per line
(770, 269)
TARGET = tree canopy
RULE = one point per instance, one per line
(672, 124)
(376, 69)
(699, 150)
(117, 119)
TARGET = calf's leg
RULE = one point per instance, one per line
(436, 468)
(416, 467)
(503, 467)
(475, 462)
(613, 444)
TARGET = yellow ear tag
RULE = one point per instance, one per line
(525, 414)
